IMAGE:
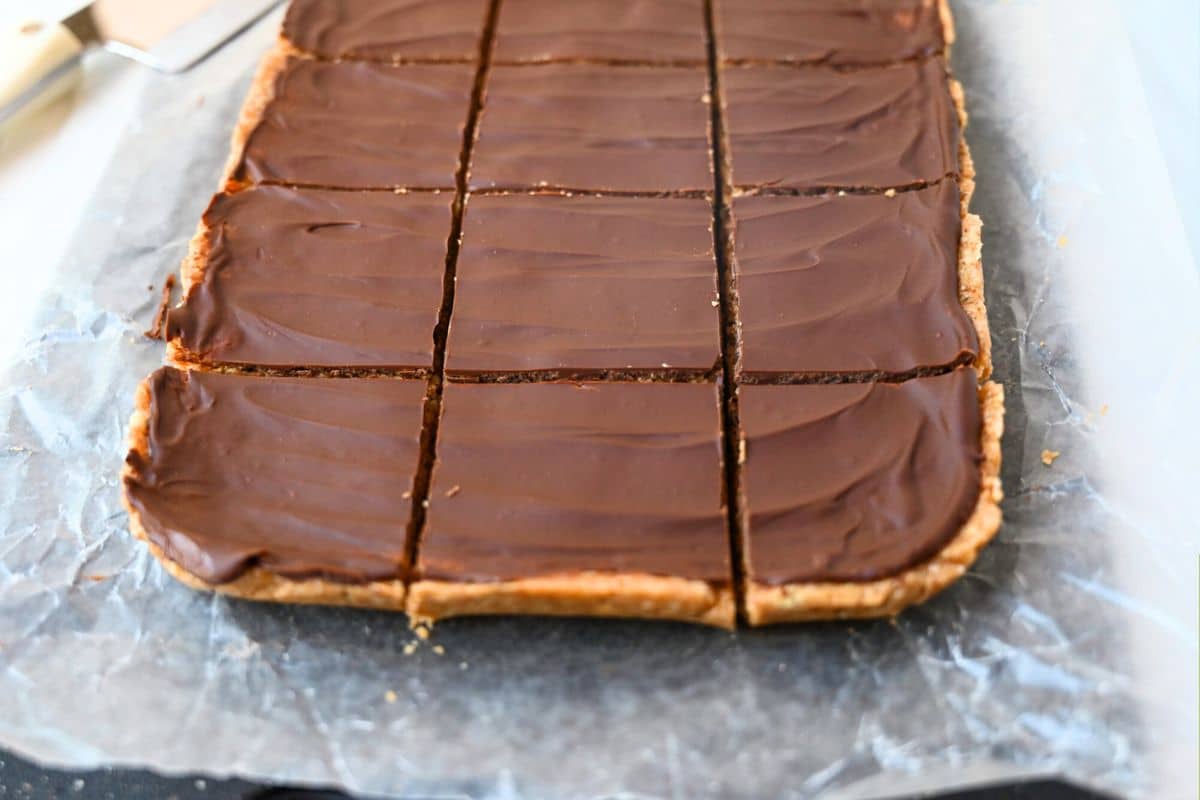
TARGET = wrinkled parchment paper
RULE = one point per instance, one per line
(1070, 648)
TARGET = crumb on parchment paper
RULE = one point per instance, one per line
(1048, 456)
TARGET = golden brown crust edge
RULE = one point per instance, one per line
(260, 95)
(594, 594)
(191, 274)
(970, 247)
(256, 583)
(195, 263)
(800, 602)
(948, 31)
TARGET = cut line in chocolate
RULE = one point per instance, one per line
(300, 371)
(666, 375)
(722, 204)
(441, 332)
(824, 64)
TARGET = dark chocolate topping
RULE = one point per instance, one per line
(588, 127)
(859, 282)
(361, 125)
(855, 482)
(557, 479)
(816, 128)
(302, 477)
(615, 30)
(834, 32)
(318, 278)
(548, 282)
(387, 30)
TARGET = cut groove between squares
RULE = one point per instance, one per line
(436, 385)
(729, 318)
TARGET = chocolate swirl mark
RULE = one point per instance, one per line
(239, 472)
(558, 479)
(837, 33)
(284, 278)
(394, 31)
(585, 283)
(805, 129)
(855, 283)
(360, 125)
(893, 474)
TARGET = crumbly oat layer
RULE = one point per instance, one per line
(591, 594)
(970, 248)
(262, 92)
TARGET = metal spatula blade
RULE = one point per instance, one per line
(167, 35)
(170, 36)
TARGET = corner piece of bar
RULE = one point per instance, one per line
(352, 124)
(838, 33)
(862, 499)
(597, 499)
(275, 488)
(854, 283)
(387, 30)
(614, 31)
(548, 282)
(279, 277)
(816, 129)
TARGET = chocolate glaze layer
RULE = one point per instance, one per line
(615, 30)
(834, 32)
(856, 482)
(553, 479)
(859, 282)
(318, 278)
(550, 282)
(815, 128)
(387, 30)
(360, 125)
(304, 478)
(588, 127)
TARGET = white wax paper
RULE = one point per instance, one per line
(1070, 648)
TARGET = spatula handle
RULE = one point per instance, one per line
(37, 62)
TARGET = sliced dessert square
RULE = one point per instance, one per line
(584, 285)
(638, 31)
(284, 489)
(294, 278)
(806, 129)
(591, 127)
(387, 30)
(832, 32)
(352, 124)
(857, 283)
(577, 499)
(862, 499)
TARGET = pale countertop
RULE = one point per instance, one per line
(50, 163)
